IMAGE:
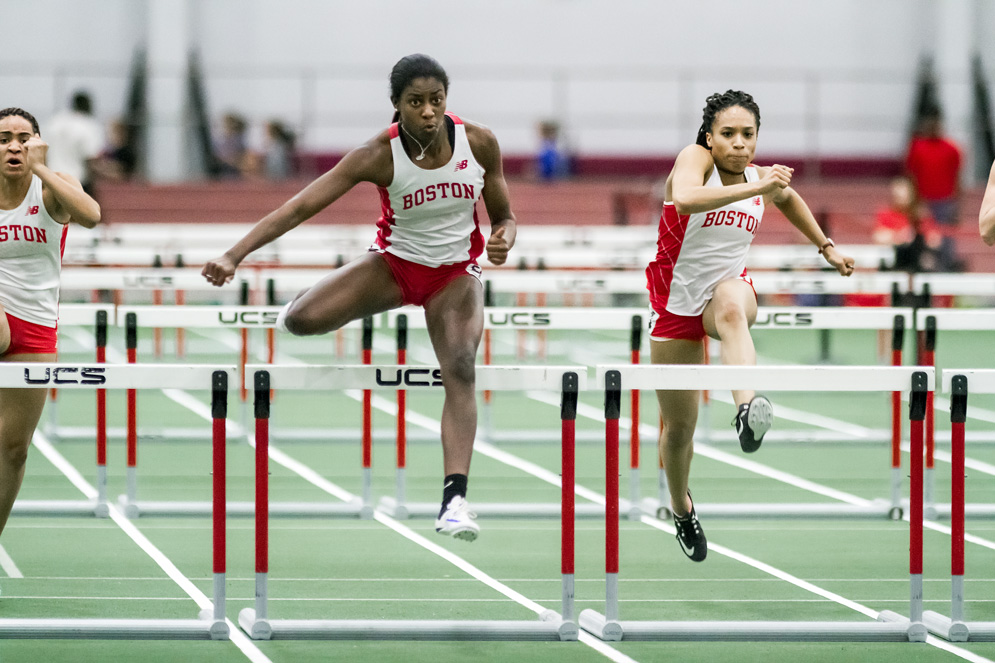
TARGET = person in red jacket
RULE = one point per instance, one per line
(934, 163)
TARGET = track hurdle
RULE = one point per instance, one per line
(100, 315)
(895, 320)
(918, 380)
(931, 321)
(957, 382)
(206, 317)
(211, 624)
(551, 626)
(514, 318)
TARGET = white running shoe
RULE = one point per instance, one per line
(457, 521)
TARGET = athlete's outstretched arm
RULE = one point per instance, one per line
(691, 171)
(363, 164)
(986, 219)
(504, 228)
(798, 213)
(70, 201)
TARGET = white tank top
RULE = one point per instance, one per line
(429, 216)
(695, 252)
(31, 246)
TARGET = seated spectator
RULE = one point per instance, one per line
(117, 161)
(231, 150)
(278, 154)
(907, 225)
(552, 162)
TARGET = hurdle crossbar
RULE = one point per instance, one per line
(211, 623)
(890, 627)
(551, 626)
(955, 628)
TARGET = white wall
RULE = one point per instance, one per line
(625, 76)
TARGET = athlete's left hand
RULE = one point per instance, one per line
(497, 248)
(36, 151)
(842, 263)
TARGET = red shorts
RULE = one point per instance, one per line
(30, 339)
(664, 325)
(419, 283)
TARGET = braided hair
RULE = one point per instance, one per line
(408, 69)
(717, 103)
(20, 112)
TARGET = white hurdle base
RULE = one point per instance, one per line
(748, 631)
(206, 628)
(60, 508)
(352, 509)
(389, 506)
(944, 627)
(878, 508)
(550, 626)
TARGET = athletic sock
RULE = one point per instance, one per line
(454, 484)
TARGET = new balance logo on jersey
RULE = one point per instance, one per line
(756, 201)
(32, 210)
(442, 190)
(461, 165)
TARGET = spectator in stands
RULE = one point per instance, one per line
(907, 225)
(431, 167)
(714, 202)
(75, 139)
(552, 161)
(117, 161)
(36, 206)
(986, 218)
(232, 148)
(934, 164)
(278, 155)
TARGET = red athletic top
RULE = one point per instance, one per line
(934, 164)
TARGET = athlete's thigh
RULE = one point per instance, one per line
(676, 405)
(734, 294)
(455, 318)
(360, 288)
(20, 409)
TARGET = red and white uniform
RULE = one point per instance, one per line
(31, 247)
(695, 252)
(429, 216)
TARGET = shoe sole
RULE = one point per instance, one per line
(760, 418)
(461, 534)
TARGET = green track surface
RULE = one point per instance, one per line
(346, 568)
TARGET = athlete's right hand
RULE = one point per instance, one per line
(778, 177)
(219, 271)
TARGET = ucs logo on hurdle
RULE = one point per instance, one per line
(65, 375)
(261, 318)
(519, 319)
(784, 319)
(412, 377)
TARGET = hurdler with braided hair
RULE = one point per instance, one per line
(698, 284)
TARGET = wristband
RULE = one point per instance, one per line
(825, 246)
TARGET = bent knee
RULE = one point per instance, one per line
(461, 369)
(300, 322)
(15, 456)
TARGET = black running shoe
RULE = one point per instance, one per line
(752, 422)
(690, 535)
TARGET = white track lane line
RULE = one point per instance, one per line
(238, 638)
(8, 565)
